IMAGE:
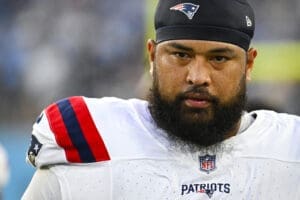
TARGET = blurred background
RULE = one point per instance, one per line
(53, 49)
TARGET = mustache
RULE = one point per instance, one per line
(197, 92)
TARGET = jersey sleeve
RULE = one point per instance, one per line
(86, 181)
(44, 185)
(66, 133)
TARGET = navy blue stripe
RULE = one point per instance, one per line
(74, 131)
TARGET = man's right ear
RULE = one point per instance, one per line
(151, 54)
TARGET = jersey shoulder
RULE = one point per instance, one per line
(85, 130)
(275, 135)
(65, 132)
(282, 122)
(75, 131)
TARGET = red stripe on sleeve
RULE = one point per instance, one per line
(89, 129)
(61, 134)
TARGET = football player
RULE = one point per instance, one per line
(191, 140)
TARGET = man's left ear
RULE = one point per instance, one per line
(251, 55)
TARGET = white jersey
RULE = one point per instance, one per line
(111, 149)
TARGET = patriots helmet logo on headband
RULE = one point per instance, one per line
(188, 9)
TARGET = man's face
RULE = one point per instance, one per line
(198, 90)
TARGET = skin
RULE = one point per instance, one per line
(216, 66)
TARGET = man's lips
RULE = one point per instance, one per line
(197, 100)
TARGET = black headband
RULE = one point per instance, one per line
(230, 21)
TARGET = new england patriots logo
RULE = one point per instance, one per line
(209, 193)
(188, 9)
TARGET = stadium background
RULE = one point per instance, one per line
(53, 49)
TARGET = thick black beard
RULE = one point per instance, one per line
(170, 116)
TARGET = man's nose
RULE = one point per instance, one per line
(199, 73)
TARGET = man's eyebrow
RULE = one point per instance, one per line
(222, 50)
(180, 46)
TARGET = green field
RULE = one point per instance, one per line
(277, 61)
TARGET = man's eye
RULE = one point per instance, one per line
(219, 59)
(181, 55)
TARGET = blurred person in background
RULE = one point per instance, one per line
(192, 139)
(4, 170)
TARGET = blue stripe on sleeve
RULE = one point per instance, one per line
(75, 133)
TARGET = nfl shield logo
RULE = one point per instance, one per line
(207, 163)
